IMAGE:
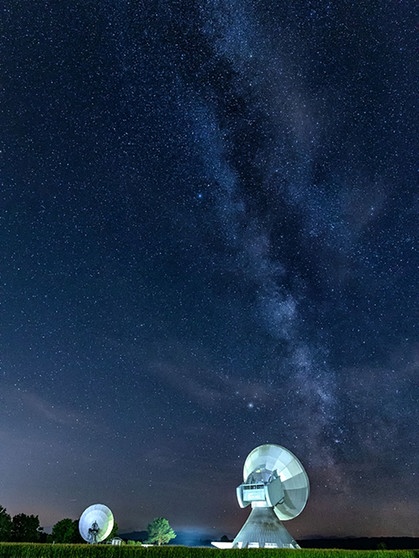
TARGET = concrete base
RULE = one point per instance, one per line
(263, 529)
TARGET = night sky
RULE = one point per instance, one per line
(208, 222)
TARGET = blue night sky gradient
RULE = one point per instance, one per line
(209, 230)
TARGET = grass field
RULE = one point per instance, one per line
(30, 550)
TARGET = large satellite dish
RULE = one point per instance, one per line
(96, 523)
(277, 487)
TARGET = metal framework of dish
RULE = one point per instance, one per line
(277, 487)
(96, 523)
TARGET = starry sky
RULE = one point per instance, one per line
(208, 222)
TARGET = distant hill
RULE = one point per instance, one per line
(192, 538)
(134, 536)
(184, 538)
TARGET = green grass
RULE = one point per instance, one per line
(32, 550)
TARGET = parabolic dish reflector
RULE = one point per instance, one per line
(96, 523)
(273, 459)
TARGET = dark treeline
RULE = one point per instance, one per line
(26, 528)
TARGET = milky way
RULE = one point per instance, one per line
(209, 231)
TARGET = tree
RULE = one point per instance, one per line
(25, 528)
(5, 525)
(159, 531)
(66, 531)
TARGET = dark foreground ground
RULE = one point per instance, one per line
(363, 543)
(28, 550)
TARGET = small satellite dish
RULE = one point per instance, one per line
(96, 523)
(277, 487)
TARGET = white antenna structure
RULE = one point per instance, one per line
(277, 487)
(96, 523)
